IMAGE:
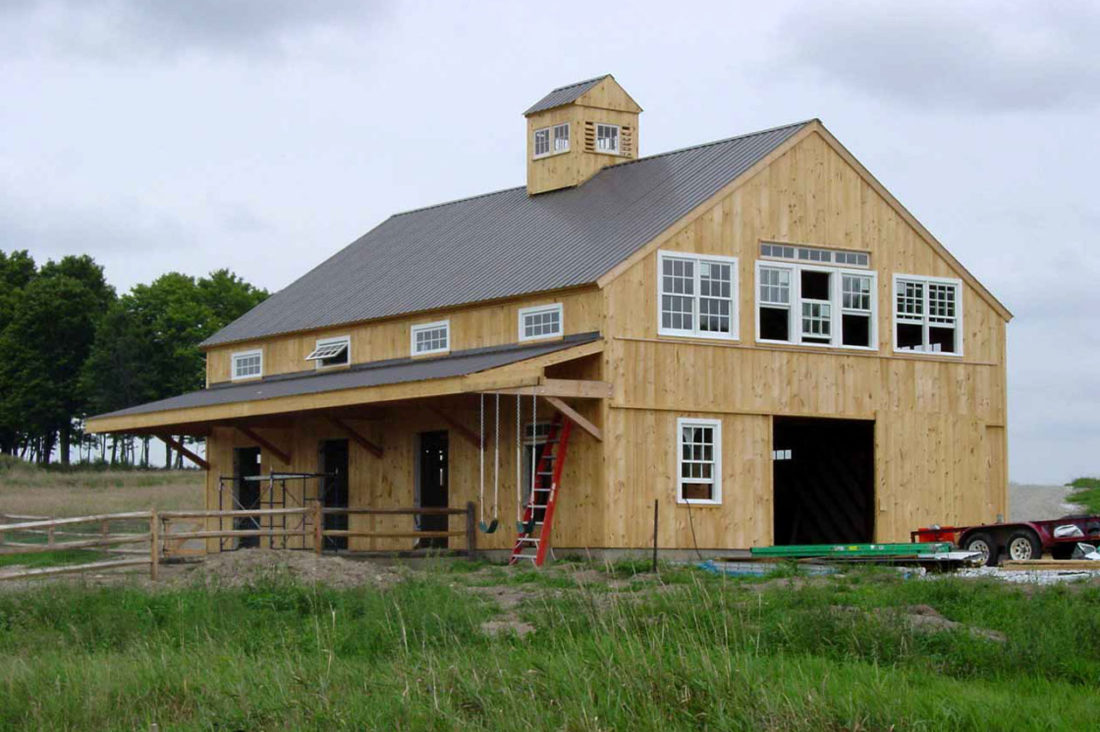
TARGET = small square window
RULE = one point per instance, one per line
(331, 352)
(431, 338)
(247, 365)
(543, 321)
(607, 138)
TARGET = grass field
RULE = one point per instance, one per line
(618, 652)
(1086, 494)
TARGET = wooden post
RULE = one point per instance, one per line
(49, 536)
(154, 547)
(318, 527)
(471, 531)
(655, 536)
(105, 527)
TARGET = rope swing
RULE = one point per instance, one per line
(526, 527)
(491, 526)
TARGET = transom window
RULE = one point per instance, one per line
(331, 352)
(431, 338)
(697, 295)
(247, 365)
(543, 321)
(813, 305)
(542, 142)
(607, 138)
(561, 137)
(815, 254)
(927, 314)
(699, 461)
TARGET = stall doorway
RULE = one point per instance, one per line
(246, 464)
(824, 481)
(334, 489)
(431, 485)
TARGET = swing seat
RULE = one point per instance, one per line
(490, 527)
(525, 527)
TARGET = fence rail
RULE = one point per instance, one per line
(158, 536)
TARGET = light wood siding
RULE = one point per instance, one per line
(473, 326)
(939, 420)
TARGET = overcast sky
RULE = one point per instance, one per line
(262, 135)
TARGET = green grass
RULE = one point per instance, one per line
(1086, 494)
(707, 652)
(53, 559)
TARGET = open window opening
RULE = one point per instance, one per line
(813, 305)
(331, 352)
(927, 315)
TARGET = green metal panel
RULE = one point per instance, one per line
(852, 550)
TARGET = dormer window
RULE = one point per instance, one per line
(561, 137)
(331, 352)
(550, 140)
(247, 365)
(428, 338)
(607, 138)
(542, 142)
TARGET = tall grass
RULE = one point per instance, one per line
(708, 653)
(1086, 494)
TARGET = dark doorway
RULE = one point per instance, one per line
(334, 494)
(824, 479)
(431, 489)
(246, 464)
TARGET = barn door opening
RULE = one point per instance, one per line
(824, 481)
(431, 488)
(334, 465)
(246, 464)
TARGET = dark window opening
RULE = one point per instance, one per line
(941, 339)
(246, 464)
(775, 324)
(856, 330)
(815, 285)
(334, 486)
(432, 478)
(910, 336)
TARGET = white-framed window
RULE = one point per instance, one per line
(607, 138)
(928, 314)
(817, 255)
(813, 305)
(541, 321)
(542, 142)
(561, 137)
(247, 365)
(331, 352)
(698, 461)
(696, 295)
(431, 338)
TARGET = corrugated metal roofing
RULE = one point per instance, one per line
(564, 95)
(395, 371)
(504, 244)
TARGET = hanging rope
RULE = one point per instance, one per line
(491, 526)
(519, 461)
(526, 527)
(481, 461)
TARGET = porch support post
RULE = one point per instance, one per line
(574, 415)
(178, 447)
(355, 435)
(266, 444)
(466, 432)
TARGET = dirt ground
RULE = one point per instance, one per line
(1030, 502)
(30, 491)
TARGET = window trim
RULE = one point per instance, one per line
(245, 354)
(716, 476)
(927, 280)
(538, 309)
(735, 296)
(535, 154)
(554, 138)
(446, 324)
(318, 364)
(618, 139)
(836, 301)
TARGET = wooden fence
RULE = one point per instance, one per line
(57, 534)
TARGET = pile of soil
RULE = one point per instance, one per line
(246, 566)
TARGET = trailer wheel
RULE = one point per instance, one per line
(982, 543)
(1024, 545)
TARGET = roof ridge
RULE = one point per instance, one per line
(580, 83)
(457, 200)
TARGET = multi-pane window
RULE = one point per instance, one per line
(431, 338)
(561, 137)
(247, 365)
(542, 142)
(607, 138)
(697, 295)
(331, 352)
(815, 254)
(543, 321)
(814, 305)
(927, 314)
(699, 461)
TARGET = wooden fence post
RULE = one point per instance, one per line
(318, 527)
(154, 549)
(49, 536)
(471, 531)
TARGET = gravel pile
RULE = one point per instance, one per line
(246, 566)
(1032, 577)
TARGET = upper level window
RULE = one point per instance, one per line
(927, 314)
(815, 305)
(247, 365)
(815, 254)
(699, 461)
(431, 338)
(543, 321)
(331, 352)
(607, 138)
(697, 295)
(561, 137)
(542, 142)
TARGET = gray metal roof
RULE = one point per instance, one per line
(506, 243)
(393, 371)
(564, 95)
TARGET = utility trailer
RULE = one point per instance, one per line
(1021, 540)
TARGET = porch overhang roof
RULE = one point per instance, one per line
(496, 368)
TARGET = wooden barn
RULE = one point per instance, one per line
(752, 333)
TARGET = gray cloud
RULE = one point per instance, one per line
(118, 29)
(952, 55)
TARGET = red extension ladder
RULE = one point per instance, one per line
(539, 515)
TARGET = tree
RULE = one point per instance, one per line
(16, 270)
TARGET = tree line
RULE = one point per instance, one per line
(71, 347)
